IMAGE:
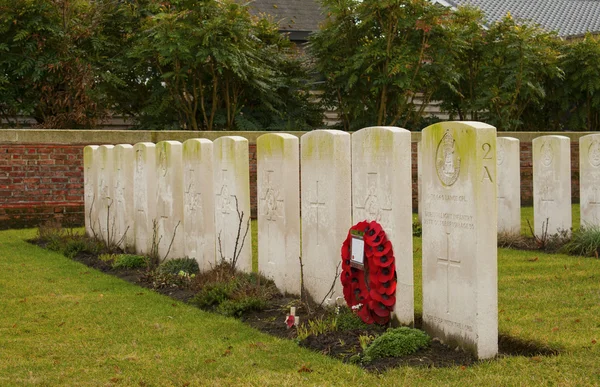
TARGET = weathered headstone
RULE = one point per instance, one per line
(106, 213)
(551, 184)
(232, 201)
(169, 199)
(509, 185)
(460, 279)
(382, 191)
(199, 202)
(278, 188)
(123, 196)
(144, 195)
(326, 209)
(90, 189)
(589, 180)
(419, 182)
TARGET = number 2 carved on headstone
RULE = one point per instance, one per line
(487, 148)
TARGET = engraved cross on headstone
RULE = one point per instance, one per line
(271, 206)
(448, 261)
(316, 205)
(193, 198)
(224, 199)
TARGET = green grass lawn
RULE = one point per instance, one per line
(62, 323)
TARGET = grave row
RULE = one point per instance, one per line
(193, 200)
(551, 162)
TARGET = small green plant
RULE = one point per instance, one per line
(316, 327)
(235, 308)
(73, 247)
(129, 261)
(174, 266)
(396, 342)
(107, 257)
(585, 242)
(365, 340)
(417, 229)
(348, 320)
(214, 294)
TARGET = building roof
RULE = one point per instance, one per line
(300, 16)
(568, 17)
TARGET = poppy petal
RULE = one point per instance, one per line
(381, 320)
(383, 260)
(365, 314)
(379, 309)
(383, 249)
(385, 274)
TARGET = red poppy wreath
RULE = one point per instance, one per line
(372, 289)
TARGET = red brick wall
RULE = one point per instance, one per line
(40, 181)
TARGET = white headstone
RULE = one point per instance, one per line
(106, 213)
(232, 188)
(326, 209)
(144, 195)
(90, 189)
(460, 279)
(419, 182)
(278, 196)
(199, 202)
(123, 192)
(509, 185)
(382, 191)
(589, 180)
(169, 199)
(551, 184)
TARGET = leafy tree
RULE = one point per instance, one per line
(578, 97)
(212, 65)
(44, 71)
(505, 72)
(383, 60)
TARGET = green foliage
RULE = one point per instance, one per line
(129, 261)
(396, 342)
(107, 257)
(232, 294)
(74, 247)
(214, 294)
(417, 229)
(174, 266)
(50, 51)
(183, 64)
(214, 66)
(316, 327)
(576, 102)
(236, 308)
(585, 242)
(348, 320)
(380, 59)
(503, 71)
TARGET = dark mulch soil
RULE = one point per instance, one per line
(339, 344)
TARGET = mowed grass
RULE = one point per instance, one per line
(62, 323)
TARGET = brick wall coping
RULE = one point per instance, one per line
(84, 137)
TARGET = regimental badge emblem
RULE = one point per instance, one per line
(547, 154)
(594, 153)
(447, 161)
